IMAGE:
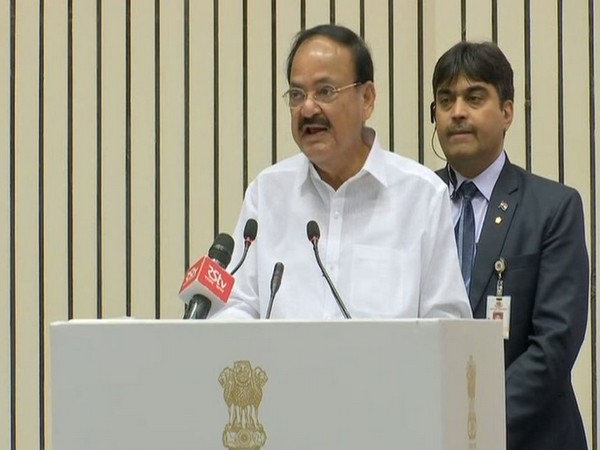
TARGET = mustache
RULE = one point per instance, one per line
(316, 120)
(459, 128)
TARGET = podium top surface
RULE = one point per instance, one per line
(123, 320)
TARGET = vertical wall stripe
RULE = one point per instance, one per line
(216, 114)
(274, 93)
(302, 14)
(70, 159)
(157, 206)
(391, 71)
(362, 18)
(527, 45)
(463, 20)
(593, 223)
(561, 103)
(12, 244)
(495, 21)
(41, 227)
(186, 144)
(128, 158)
(420, 86)
(331, 11)
(244, 96)
(99, 158)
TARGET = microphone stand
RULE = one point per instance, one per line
(336, 295)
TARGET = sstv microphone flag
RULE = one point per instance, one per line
(206, 282)
(206, 277)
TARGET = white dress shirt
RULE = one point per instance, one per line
(386, 241)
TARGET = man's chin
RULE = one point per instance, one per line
(459, 151)
(315, 152)
(464, 160)
(313, 144)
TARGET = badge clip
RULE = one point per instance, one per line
(500, 267)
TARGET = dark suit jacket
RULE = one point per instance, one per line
(541, 236)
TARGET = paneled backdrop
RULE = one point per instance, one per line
(129, 130)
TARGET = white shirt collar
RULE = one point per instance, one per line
(374, 164)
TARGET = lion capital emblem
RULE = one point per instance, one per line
(242, 392)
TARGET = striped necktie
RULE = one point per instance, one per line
(464, 231)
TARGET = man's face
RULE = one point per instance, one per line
(329, 134)
(471, 122)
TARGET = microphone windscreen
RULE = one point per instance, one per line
(312, 230)
(250, 230)
(277, 276)
(222, 249)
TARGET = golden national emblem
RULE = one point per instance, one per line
(243, 392)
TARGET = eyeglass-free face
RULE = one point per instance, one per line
(471, 122)
(329, 133)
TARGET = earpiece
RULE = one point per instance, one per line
(432, 112)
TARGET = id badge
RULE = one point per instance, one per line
(498, 308)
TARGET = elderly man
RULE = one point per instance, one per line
(385, 228)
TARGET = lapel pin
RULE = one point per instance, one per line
(503, 205)
(498, 220)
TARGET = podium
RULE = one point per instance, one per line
(423, 384)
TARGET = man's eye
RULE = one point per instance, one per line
(444, 101)
(296, 94)
(326, 92)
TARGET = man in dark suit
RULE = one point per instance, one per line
(529, 266)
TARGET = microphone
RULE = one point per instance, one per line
(313, 233)
(250, 231)
(207, 281)
(275, 283)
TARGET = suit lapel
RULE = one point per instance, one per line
(443, 174)
(498, 218)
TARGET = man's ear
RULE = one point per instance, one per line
(369, 95)
(508, 110)
(432, 112)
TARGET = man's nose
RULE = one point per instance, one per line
(459, 108)
(310, 107)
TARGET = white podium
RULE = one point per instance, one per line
(277, 385)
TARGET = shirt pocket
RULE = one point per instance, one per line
(376, 282)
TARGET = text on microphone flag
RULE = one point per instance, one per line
(208, 275)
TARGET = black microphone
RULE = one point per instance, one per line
(207, 281)
(275, 283)
(197, 308)
(250, 231)
(313, 233)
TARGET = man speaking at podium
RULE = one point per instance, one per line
(386, 238)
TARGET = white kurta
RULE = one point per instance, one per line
(386, 241)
